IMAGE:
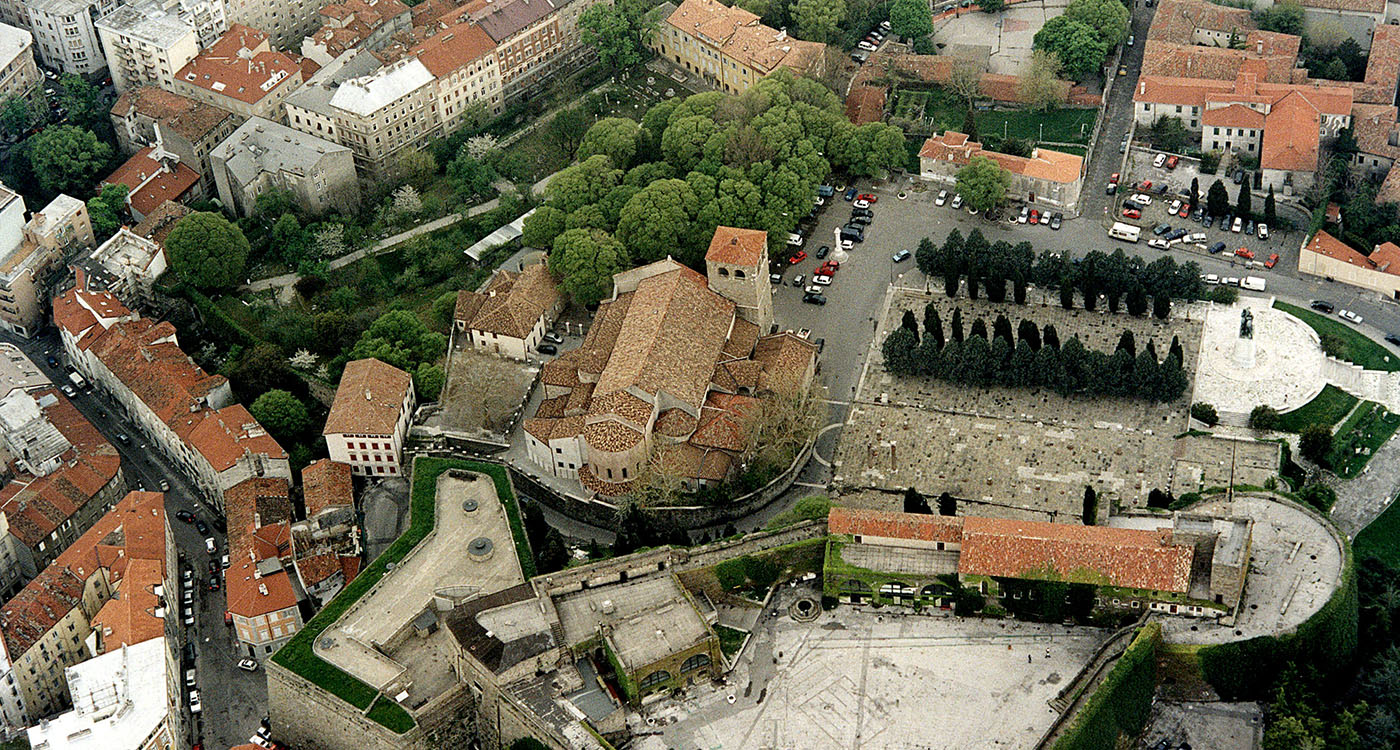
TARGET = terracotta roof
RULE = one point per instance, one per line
(348, 22)
(151, 181)
(244, 589)
(226, 435)
(1291, 135)
(1386, 255)
(1129, 558)
(159, 223)
(369, 400)
(76, 310)
(513, 302)
(592, 483)
(273, 540)
(1382, 66)
(241, 510)
(545, 430)
(738, 247)
(34, 507)
(327, 484)
(1177, 20)
(675, 423)
(1043, 163)
(743, 335)
(1363, 6)
(453, 49)
(690, 460)
(316, 568)
(723, 422)
(786, 358)
(502, 20)
(740, 35)
(241, 65)
(187, 117)
(1327, 97)
(1233, 116)
(133, 530)
(866, 104)
(1323, 243)
(610, 436)
(891, 525)
(145, 357)
(1372, 126)
(130, 618)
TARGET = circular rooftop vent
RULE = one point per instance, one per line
(481, 549)
(469, 505)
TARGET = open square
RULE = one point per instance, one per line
(1005, 37)
(482, 392)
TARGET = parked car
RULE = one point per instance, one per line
(1025, 212)
(900, 256)
(1194, 238)
(862, 204)
(797, 257)
(1392, 339)
(185, 516)
(1237, 225)
(1044, 217)
(957, 200)
(1055, 220)
(1249, 227)
(1161, 229)
(553, 337)
(798, 279)
(814, 298)
(214, 583)
(209, 544)
(1111, 189)
(1175, 234)
(863, 212)
(1209, 222)
(1174, 207)
(1185, 210)
(1263, 231)
(868, 198)
(941, 199)
(1349, 315)
(1238, 177)
(1141, 199)
(1211, 279)
(1272, 261)
(775, 278)
(247, 665)
(1145, 185)
(195, 705)
(821, 280)
(867, 46)
(190, 677)
(1198, 215)
(1034, 217)
(1132, 213)
(1217, 248)
(1159, 243)
(69, 392)
(550, 349)
(851, 194)
(823, 251)
(201, 527)
(795, 239)
(1245, 253)
(1322, 306)
(1159, 160)
(189, 617)
(1171, 162)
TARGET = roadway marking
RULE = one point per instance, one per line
(821, 432)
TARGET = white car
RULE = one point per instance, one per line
(867, 46)
(847, 245)
(209, 544)
(1349, 315)
(189, 597)
(861, 204)
(818, 201)
(1141, 199)
(1192, 239)
(195, 705)
(795, 240)
(812, 289)
(957, 201)
(1238, 225)
(1263, 231)
(1159, 160)
(1025, 214)
(1230, 281)
(247, 665)
(1159, 243)
(189, 677)
(821, 280)
(941, 199)
(1211, 278)
(1175, 206)
(189, 617)
(260, 742)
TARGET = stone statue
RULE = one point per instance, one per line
(1246, 324)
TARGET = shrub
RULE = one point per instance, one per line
(1264, 417)
(1122, 702)
(1315, 442)
(1204, 412)
(1319, 496)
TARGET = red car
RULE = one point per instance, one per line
(828, 269)
(1272, 261)
(1132, 213)
(1114, 179)
(868, 197)
(1185, 210)
(1035, 216)
(797, 257)
(1145, 186)
(1171, 162)
(1245, 253)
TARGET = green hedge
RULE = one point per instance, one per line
(391, 715)
(1245, 670)
(1122, 702)
(298, 656)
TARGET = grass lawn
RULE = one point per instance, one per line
(1381, 538)
(1366, 429)
(730, 640)
(1328, 408)
(944, 111)
(1344, 342)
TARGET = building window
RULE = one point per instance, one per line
(653, 679)
(695, 662)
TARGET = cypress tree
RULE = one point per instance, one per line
(1137, 300)
(908, 322)
(1001, 328)
(1161, 306)
(971, 284)
(1050, 336)
(1066, 293)
(1126, 341)
(1175, 350)
(1029, 332)
(957, 325)
(1091, 506)
(933, 324)
(979, 329)
(1019, 291)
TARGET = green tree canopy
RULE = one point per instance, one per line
(582, 183)
(68, 159)
(1285, 18)
(16, 116)
(656, 221)
(613, 137)
(472, 177)
(1108, 17)
(1080, 47)
(618, 31)
(911, 19)
(428, 380)
(983, 183)
(107, 210)
(542, 226)
(1169, 134)
(208, 251)
(585, 261)
(818, 20)
(400, 339)
(1217, 199)
(874, 148)
(1315, 442)
(283, 414)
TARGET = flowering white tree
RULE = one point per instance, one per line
(479, 146)
(407, 202)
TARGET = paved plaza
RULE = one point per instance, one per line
(857, 678)
(1006, 36)
(1019, 452)
(1217, 726)
(1282, 366)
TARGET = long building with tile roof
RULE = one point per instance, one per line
(1045, 177)
(259, 593)
(511, 316)
(669, 375)
(369, 418)
(110, 588)
(241, 73)
(186, 413)
(730, 47)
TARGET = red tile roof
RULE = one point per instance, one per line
(242, 66)
(369, 399)
(1233, 116)
(1129, 558)
(249, 594)
(738, 247)
(187, 117)
(241, 504)
(34, 507)
(513, 303)
(134, 529)
(325, 484)
(152, 182)
(1291, 135)
(316, 568)
(76, 310)
(1323, 243)
(453, 49)
(891, 525)
(224, 436)
(866, 104)
(1043, 163)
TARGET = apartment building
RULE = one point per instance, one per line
(263, 154)
(184, 412)
(463, 60)
(65, 35)
(110, 589)
(308, 108)
(369, 418)
(356, 24)
(326, 546)
(30, 253)
(242, 74)
(63, 477)
(528, 40)
(285, 21)
(511, 316)
(129, 698)
(146, 46)
(19, 75)
(258, 585)
(127, 265)
(730, 47)
(153, 176)
(187, 128)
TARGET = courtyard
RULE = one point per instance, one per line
(1004, 38)
(857, 678)
(1015, 452)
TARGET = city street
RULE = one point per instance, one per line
(233, 700)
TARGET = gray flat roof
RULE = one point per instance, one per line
(316, 93)
(650, 619)
(260, 145)
(148, 23)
